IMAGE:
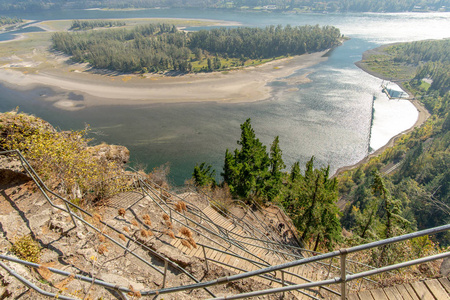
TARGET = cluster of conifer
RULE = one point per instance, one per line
(9, 21)
(253, 174)
(91, 24)
(160, 47)
(433, 59)
(271, 41)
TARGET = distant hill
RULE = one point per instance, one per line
(269, 5)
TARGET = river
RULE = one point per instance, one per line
(328, 117)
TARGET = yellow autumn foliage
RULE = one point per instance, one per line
(61, 158)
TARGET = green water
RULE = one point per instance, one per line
(328, 118)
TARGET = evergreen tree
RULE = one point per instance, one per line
(210, 65)
(275, 180)
(311, 203)
(203, 175)
(247, 171)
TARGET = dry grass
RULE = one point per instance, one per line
(102, 249)
(44, 271)
(122, 212)
(101, 238)
(97, 217)
(159, 175)
(144, 233)
(169, 224)
(180, 206)
(166, 217)
(192, 242)
(170, 233)
(186, 232)
(62, 284)
(186, 244)
(122, 237)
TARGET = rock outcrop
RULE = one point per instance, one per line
(107, 152)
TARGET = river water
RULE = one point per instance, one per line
(328, 117)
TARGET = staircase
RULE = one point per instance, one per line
(239, 244)
(248, 254)
(438, 289)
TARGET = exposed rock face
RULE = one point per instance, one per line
(11, 173)
(115, 153)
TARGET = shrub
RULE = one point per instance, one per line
(63, 157)
(186, 232)
(27, 248)
(186, 244)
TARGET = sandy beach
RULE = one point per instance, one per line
(244, 85)
(76, 86)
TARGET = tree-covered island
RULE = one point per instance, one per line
(162, 47)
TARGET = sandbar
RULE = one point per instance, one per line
(97, 88)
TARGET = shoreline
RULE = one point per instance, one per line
(95, 88)
(423, 114)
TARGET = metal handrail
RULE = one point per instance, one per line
(41, 185)
(232, 216)
(295, 256)
(142, 182)
(343, 279)
(274, 278)
(229, 250)
(59, 272)
(43, 188)
(231, 242)
(337, 279)
(226, 238)
(258, 246)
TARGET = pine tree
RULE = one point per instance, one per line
(274, 182)
(312, 206)
(203, 175)
(247, 170)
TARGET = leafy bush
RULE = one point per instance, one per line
(61, 158)
(27, 248)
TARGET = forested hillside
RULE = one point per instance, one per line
(161, 47)
(379, 203)
(280, 5)
(417, 194)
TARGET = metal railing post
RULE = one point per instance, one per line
(70, 213)
(328, 271)
(343, 256)
(206, 259)
(166, 264)
(282, 282)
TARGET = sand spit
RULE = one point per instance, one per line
(245, 85)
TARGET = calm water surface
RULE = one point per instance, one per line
(328, 117)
